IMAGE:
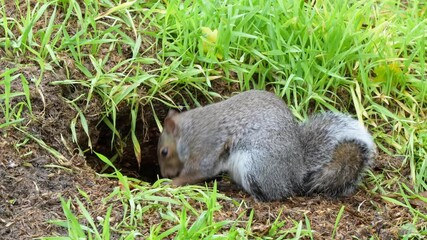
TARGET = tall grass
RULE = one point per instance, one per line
(365, 57)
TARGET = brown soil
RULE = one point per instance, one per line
(33, 180)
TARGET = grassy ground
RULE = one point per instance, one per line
(78, 77)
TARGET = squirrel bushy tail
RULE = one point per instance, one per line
(337, 150)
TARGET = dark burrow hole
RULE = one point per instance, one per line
(149, 170)
(147, 134)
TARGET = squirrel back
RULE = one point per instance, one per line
(255, 138)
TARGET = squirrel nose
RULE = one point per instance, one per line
(171, 172)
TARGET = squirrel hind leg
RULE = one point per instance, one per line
(341, 175)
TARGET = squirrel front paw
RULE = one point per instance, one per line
(178, 181)
(182, 180)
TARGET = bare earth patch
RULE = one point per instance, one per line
(32, 181)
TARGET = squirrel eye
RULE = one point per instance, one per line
(164, 152)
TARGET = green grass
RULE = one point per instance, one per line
(366, 57)
(190, 210)
(13, 112)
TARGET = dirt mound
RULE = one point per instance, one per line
(34, 177)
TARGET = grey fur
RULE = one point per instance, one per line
(255, 138)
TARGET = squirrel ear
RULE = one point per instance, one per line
(171, 113)
(170, 125)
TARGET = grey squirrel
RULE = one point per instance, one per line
(255, 138)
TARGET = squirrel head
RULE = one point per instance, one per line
(170, 164)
